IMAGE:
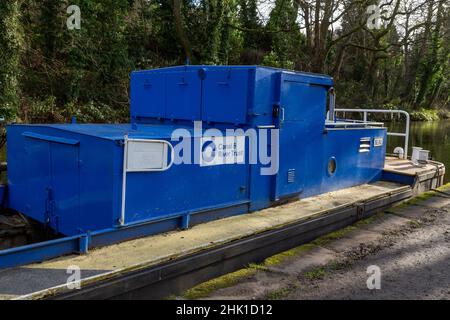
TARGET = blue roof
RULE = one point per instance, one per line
(117, 131)
(308, 76)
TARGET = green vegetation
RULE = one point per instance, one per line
(10, 45)
(334, 236)
(415, 224)
(281, 293)
(284, 256)
(49, 73)
(427, 115)
(316, 274)
(413, 201)
(204, 289)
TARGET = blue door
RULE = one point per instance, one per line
(301, 122)
(37, 165)
(64, 186)
(54, 189)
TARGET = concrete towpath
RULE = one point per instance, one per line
(409, 244)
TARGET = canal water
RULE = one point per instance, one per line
(433, 136)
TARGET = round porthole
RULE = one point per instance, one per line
(331, 166)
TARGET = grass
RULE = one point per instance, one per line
(283, 256)
(317, 273)
(335, 265)
(444, 187)
(206, 288)
(339, 234)
(415, 224)
(333, 236)
(281, 293)
(414, 201)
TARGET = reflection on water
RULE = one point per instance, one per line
(433, 136)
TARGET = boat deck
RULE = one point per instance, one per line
(406, 167)
(422, 177)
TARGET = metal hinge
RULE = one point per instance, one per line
(49, 205)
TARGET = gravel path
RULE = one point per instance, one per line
(409, 244)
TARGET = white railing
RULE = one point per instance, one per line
(366, 112)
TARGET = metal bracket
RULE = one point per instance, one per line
(360, 210)
(185, 219)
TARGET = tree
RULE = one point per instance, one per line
(48, 72)
(10, 49)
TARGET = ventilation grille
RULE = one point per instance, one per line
(364, 145)
(291, 175)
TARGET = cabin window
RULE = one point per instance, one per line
(331, 166)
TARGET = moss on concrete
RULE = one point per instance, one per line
(336, 235)
(317, 273)
(281, 293)
(206, 288)
(444, 187)
(283, 256)
(259, 267)
(321, 241)
(421, 197)
(415, 224)
(369, 220)
(335, 265)
(412, 202)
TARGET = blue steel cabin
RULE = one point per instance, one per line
(71, 177)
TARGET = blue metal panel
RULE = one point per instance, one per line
(50, 138)
(148, 95)
(302, 121)
(394, 177)
(353, 167)
(225, 95)
(37, 179)
(154, 194)
(265, 96)
(3, 198)
(184, 96)
(228, 92)
(303, 101)
(71, 186)
(65, 187)
(292, 162)
(38, 252)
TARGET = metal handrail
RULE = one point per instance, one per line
(352, 123)
(365, 112)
